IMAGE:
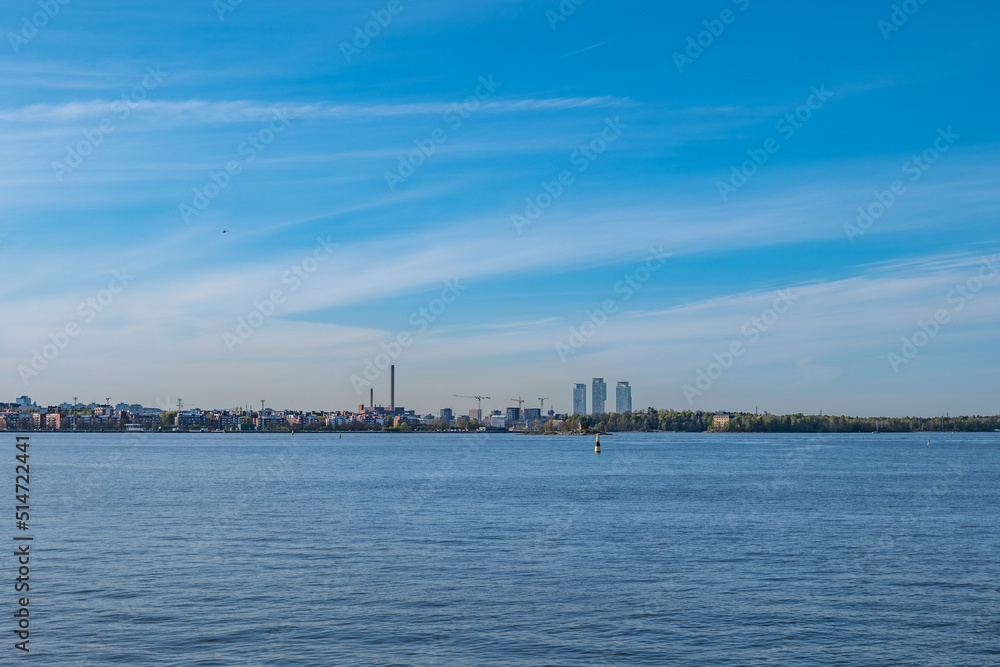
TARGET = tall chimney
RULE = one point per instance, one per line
(371, 398)
(392, 389)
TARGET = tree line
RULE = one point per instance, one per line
(748, 422)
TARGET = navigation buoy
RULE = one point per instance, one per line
(597, 447)
(341, 436)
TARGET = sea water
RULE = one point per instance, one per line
(497, 549)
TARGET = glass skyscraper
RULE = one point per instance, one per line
(600, 394)
(580, 399)
(623, 398)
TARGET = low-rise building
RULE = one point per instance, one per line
(720, 420)
(339, 419)
(190, 419)
(409, 418)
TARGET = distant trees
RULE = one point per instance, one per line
(746, 422)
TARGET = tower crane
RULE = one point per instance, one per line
(480, 402)
(542, 404)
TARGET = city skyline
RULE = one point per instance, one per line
(250, 202)
(577, 403)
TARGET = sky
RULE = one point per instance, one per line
(732, 205)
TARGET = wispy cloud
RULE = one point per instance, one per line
(586, 48)
(242, 111)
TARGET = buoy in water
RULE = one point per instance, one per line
(597, 447)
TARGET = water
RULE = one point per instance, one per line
(691, 549)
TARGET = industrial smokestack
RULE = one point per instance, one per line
(392, 389)
(371, 398)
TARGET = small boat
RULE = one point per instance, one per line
(133, 428)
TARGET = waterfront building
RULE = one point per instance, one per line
(720, 420)
(623, 398)
(580, 399)
(599, 394)
(407, 418)
(189, 419)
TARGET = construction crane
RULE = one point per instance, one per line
(541, 401)
(520, 401)
(479, 399)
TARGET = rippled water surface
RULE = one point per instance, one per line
(693, 549)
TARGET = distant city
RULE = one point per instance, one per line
(25, 415)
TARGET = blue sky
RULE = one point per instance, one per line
(163, 98)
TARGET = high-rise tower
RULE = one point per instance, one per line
(580, 399)
(598, 396)
(623, 398)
